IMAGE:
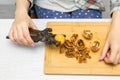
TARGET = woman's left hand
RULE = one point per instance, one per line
(111, 51)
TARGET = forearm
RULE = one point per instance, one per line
(22, 7)
(115, 14)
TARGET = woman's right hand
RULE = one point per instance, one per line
(19, 32)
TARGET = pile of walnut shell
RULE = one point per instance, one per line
(75, 48)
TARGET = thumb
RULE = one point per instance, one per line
(32, 25)
(105, 50)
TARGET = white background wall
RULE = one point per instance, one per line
(7, 1)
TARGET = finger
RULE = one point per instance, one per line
(20, 35)
(11, 36)
(114, 52)
(15, 35)
(105, 50)
(117, 59)
(11, 33)
(108, 54)
(27, 36)
(106, 59)
(32, 25)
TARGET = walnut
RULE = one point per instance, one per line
(74, 38)
(87, 34)
(76, 48)
(84, 55)
(82, 59)
(77, 55)
(67, 47)
(80, 44)
(62, 48)
(95, 46)
(70, 53)
(86, 52)
(68, 44)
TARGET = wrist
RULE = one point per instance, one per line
(116, 14)
(21, 12)
(116, 20)
(22, 7)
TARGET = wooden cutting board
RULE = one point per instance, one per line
(56, 63)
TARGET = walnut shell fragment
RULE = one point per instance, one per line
(87, 34)
(95, 46)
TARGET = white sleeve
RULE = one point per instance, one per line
(115, 5)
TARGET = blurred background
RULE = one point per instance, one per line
(7, 9)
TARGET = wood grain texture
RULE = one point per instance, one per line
(56, 63)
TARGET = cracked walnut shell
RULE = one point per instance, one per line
(87, 34)
(95, 46)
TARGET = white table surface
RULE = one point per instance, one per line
(27, 63)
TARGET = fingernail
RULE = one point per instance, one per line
(33, 45)
(101, 58)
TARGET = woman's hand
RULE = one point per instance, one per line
(19, 31)
(111, 51)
